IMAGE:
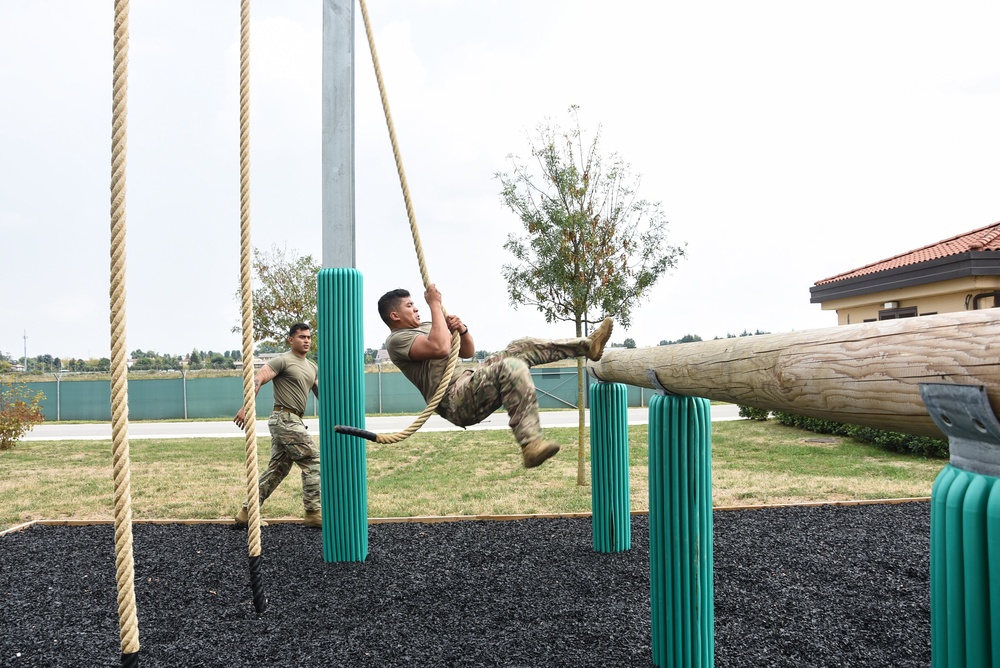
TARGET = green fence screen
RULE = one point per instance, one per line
(212, 398)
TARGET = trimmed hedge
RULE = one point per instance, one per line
(923, 446)
(751, 413)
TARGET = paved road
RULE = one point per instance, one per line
(221, 429)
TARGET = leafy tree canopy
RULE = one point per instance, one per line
(284, 293)
(20, 410)
(591, 243)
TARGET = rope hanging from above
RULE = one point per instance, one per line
(246, 304)
(124, 562)
(455, 338)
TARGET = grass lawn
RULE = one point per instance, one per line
(444, 473)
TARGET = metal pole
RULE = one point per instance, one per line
(343, 467)
(338, 133)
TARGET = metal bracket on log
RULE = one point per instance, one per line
(964, 414)
(651, 375)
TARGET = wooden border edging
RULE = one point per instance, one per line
(435, 519)
(16, 528)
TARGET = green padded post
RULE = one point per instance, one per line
(965, 540)
(343, 465)
(965, 529)
(993, 559)
(680, 532)
(609, 476)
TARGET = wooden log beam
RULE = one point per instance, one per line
(866, 374)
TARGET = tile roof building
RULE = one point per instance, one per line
(956, 274)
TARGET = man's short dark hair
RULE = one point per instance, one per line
(297, 327)
(389, 302)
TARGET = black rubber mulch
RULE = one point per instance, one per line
(821, 586)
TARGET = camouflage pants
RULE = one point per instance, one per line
(504, 379)
(291, 442)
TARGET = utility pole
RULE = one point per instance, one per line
(25, 351)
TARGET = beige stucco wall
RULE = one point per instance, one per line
(944, 297)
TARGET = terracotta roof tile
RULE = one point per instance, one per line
(982, 239)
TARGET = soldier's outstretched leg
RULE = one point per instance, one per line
(542, 351)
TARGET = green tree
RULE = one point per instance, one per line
(19, 412)
(284, 293)
(214, 360)
(629, 343)
(687, 338)
(143, 364)
(592, 245)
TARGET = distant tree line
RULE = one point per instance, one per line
(150, 360)
(140, 360)
(691, 338)
(213, 360)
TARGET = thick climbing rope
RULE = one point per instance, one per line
(124, 563)
(246, 294)
(455, 344)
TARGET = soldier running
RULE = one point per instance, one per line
(294, 376)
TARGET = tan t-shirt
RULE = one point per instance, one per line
(294, 377)
(425, 374)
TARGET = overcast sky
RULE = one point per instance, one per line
(787, 141)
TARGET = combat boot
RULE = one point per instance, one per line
(314, 518)
(598, 339)
(535, 453)
(242, 518)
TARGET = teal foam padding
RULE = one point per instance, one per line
(965, 569)
(609, 473)
(993, 558)
(343, 463)
(682, 608)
